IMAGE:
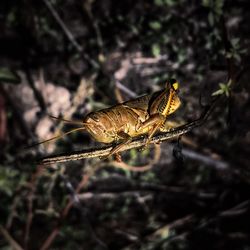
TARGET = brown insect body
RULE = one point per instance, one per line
(105, 125)
(143, 115)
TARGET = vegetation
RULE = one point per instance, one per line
(68, 58)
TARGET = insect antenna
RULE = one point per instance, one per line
(67, 121)
(57, 137)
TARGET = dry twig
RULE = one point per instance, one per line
(69, 34)
(73, 201)
(30, 199)
(9, 238)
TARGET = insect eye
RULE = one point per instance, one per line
(174, 84)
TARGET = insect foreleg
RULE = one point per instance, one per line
(168, 125)
(125, 140)
(154, 122)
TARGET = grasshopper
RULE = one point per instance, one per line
(122, 122)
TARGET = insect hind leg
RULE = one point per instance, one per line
(126, 139)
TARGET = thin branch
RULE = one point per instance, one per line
(30, 199)
(37, 93)
(15, 109)
(49, 240)
(143, 168)
(69, 34)
(10, 239)
(126, 90)
(227, 46)
(136, 143)
(73, 201)
(63, 26)
(87, 5)
(204, 159)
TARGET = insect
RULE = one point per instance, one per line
(120, 123)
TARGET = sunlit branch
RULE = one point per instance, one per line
(136, 143)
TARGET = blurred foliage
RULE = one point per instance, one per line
(224, 89)
(178, 204)
(9, 76)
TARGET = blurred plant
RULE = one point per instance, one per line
(9, 180)
(225, 89)
(216, 10)
(178, 33)
(168, 3)
(236, 50)
(9, 76)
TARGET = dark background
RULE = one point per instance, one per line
(68, 58)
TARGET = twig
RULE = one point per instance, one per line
(30, 198)
(136, 143)
(68, 33)
(3, 119)
(9, 238)
(239, 209)
(87, 196)
(206, 160)
(126, 90)
(149, 60)
(65, 211)
(13, 208)
(227, 46)
(26, 131)
(143, 168)
(180, 222)
(87, 5)
(36, 92)
(162, 234)
(63, 26)
(63, 214)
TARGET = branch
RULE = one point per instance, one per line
(10, 239)
(68, 34)
(136, 143)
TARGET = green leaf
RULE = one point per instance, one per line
(219, 6)
(170, 2)
(235, 42)
(224, 89)
(155, 25)
(222, 86)
(11, 18)
(211, 18)
(9, 76)
(237, 57)
(156, 50)
(206, 3)
(218, 92)
(158, 2)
